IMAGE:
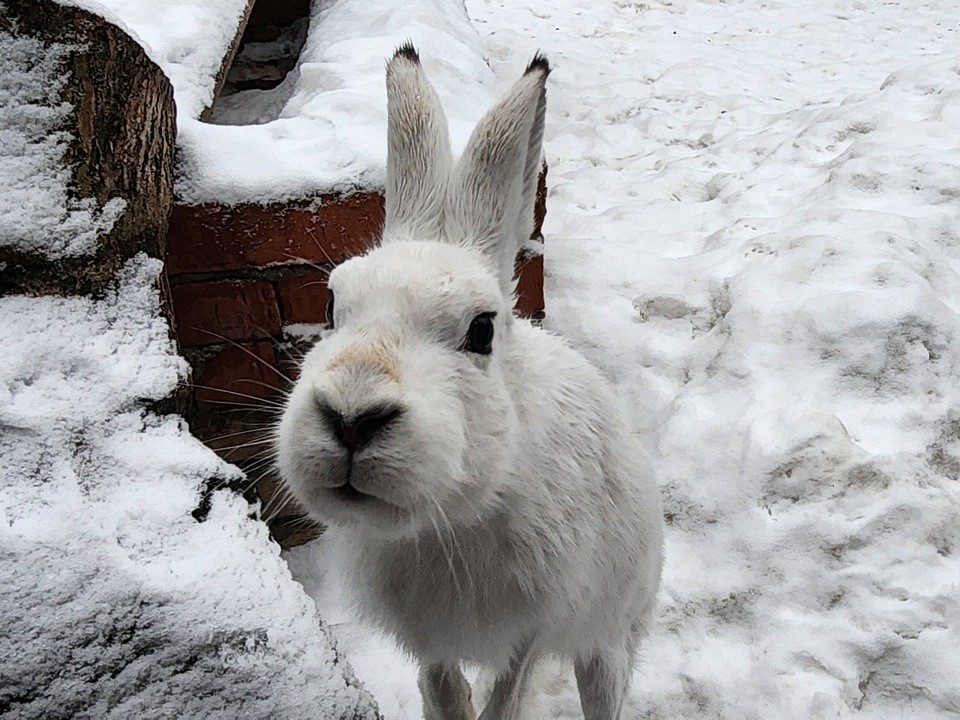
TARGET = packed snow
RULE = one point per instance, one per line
(754, 229)
(117, 603)
(324, 129)
(38, 212)
(330, 134)
(188, 39)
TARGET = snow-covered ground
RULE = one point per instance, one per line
(754, 229)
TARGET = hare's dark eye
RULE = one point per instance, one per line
(330, 311)
(480, 335)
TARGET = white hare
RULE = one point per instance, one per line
(479, 476)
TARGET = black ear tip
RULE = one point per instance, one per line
(408, 51)
(539, 64)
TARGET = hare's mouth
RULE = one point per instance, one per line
(348, 492)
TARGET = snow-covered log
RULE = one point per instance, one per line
(89, 128)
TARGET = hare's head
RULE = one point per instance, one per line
(402, 416)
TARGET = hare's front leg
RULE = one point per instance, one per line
(504, 702)
(446, 693)
(602, 679)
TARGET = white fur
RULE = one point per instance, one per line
(509, 512)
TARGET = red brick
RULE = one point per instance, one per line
(303, 298)
(270, 489)
(241, 375)
(540, 204)
(204, 238)
(210, 312)
(351, 224)
(237, 437)
(290, 367)
(530, 286)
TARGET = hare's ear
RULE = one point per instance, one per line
(494, 187)
(418, 150)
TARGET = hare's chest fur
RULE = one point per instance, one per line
(447, 596)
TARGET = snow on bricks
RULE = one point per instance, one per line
(210, 237)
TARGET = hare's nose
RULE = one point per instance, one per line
(359, 430)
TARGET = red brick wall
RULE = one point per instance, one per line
(238, 275)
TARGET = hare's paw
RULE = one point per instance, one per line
(446, 693)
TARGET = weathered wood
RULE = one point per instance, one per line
(122, 130)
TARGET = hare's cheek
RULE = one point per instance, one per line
(301, 462)
(437, 427)
(305, 453)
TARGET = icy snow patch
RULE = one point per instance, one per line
(37, 210)
(117, 603)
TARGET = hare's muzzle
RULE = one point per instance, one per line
(357, 430)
